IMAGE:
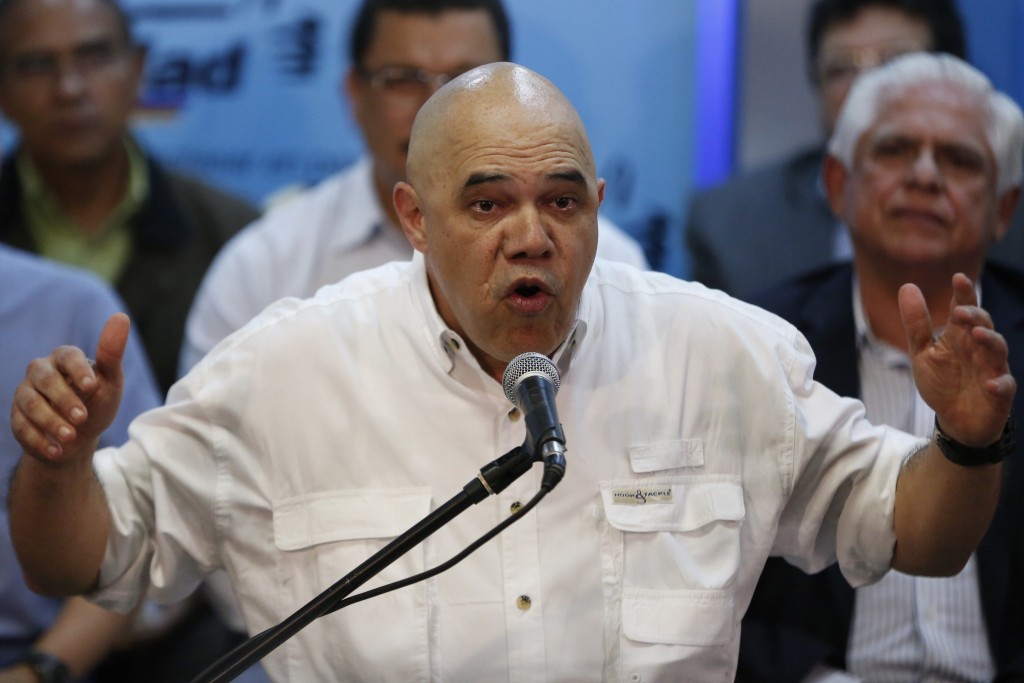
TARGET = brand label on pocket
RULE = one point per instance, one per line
(644, 495)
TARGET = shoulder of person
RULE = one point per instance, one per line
(795, 292)
(764, 177)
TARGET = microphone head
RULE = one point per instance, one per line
(525, 365)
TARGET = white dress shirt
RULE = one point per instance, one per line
(326, 427)
(311, 239)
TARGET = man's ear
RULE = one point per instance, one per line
(407, 206)
(138, 56)
(834, 177)
(1004, 212)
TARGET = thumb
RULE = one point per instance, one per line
(916, 322)
(111, 346)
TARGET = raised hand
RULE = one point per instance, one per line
(66, 401)
(963, 373)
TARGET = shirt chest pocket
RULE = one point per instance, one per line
(672, 546)
(325, 536)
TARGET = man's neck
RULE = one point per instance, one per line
(384, 187)
(88, 194)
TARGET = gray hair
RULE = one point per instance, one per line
(1004, 127)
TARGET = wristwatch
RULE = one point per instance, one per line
(48, 668)
(967, 456)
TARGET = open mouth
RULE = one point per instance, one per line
(527, 291)
(529, 296)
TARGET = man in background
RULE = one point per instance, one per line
(80, 190)
(401, 51)
(774, 222)
(925, 169)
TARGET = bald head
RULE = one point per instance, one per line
(501, 200)
(491, 100)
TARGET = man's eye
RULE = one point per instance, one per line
(98, 55)
(34, 65)
(891, 149)
(402, 82)
(964, 159)
(565, 202)
(485, 205)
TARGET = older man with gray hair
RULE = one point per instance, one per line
(924, 168)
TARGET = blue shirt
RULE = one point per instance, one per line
(44, 305)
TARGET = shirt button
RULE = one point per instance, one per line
(636, 678)
(524, 602)
(514, 414)
(515, 507)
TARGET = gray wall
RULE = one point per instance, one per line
(776, 111)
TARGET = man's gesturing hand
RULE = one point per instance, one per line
(963, 373)
(65, 401)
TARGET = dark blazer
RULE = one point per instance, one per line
(177, 232)
(773, 223)
(761, 227)
(796, 621)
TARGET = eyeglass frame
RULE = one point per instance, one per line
(85, 61)
(852, 65)
(423, 80)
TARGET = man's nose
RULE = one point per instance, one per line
(529, 235)
(924, 169)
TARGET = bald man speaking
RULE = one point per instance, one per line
(698, 442)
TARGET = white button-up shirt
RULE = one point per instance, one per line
(698, 445)
(313, 239)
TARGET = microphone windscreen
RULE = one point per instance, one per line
(525, 365)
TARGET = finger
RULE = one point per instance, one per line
(1003, 387)
(994, 347)
(75, 367)
(36, 425)
(971, 316)
(916, 321)
(111, 346)
(964, 292)
(45, 381)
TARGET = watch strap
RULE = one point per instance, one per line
(49, 668)
(968, 456)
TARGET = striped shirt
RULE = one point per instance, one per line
(907, 628)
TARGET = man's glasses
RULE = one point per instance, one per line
(840, 69)
(46, 68)
(406, 81)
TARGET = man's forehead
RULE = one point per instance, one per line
(564, 174)
(926, 103)
(77, 23)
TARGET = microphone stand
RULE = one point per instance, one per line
(492, 479)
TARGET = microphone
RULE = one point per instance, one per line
(530, 382)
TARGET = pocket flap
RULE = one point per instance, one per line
(666, 455)
(677, 617)
(305, 521)
(642, 505)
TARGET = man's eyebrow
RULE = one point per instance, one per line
(572, 176)
(482, 178)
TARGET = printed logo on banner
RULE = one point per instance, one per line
(175, 71)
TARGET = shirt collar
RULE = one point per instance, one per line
(368, 214)
(42, 203)
(449, 349)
